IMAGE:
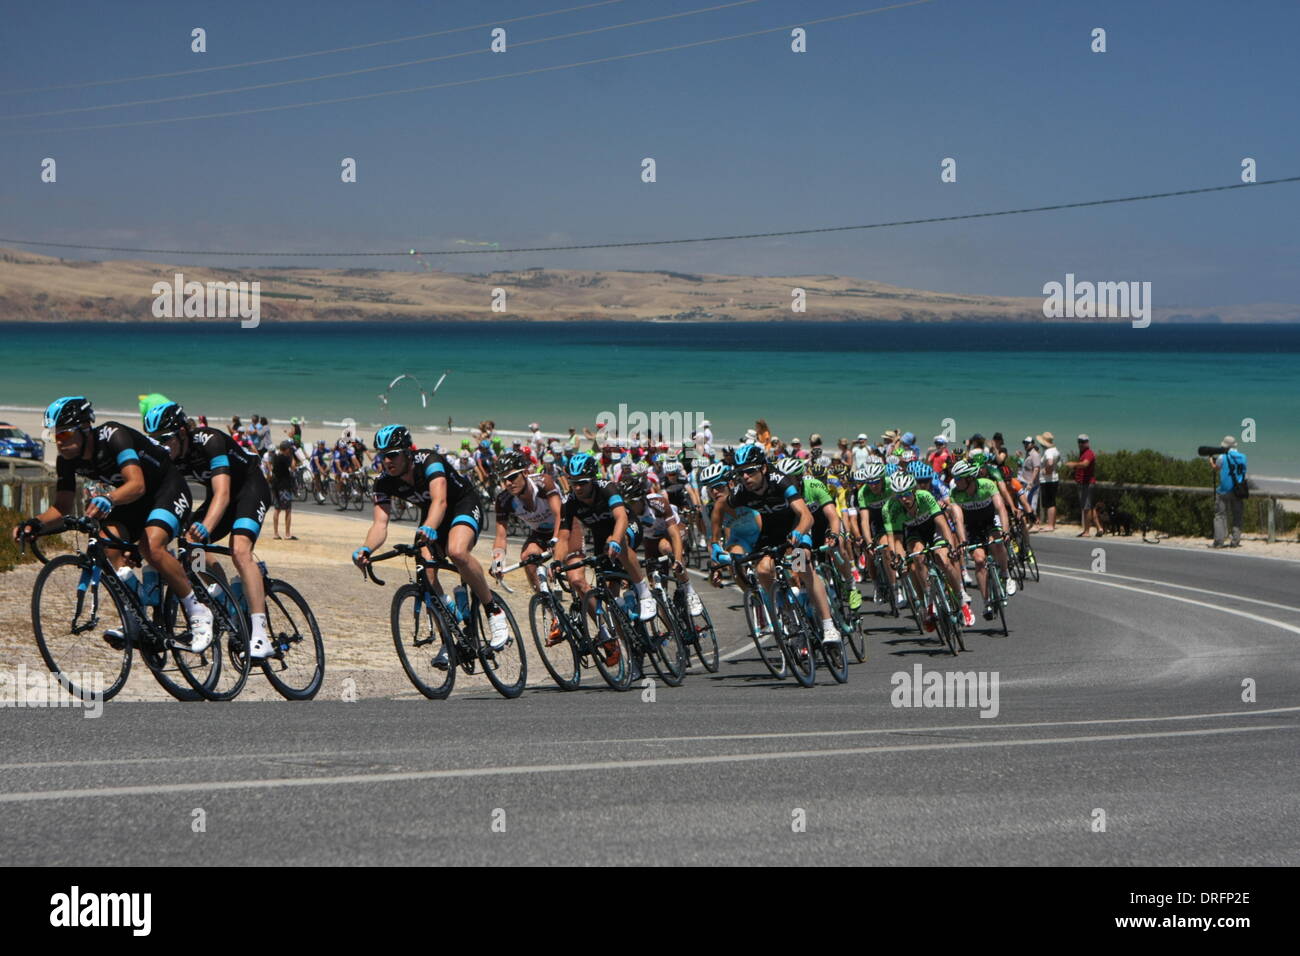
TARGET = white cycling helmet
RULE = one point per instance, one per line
(790, 467)
(714, 474)
(964, 469)
(871, 471)
(902, 483)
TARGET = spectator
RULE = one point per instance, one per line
(814, 446)
(1085, 467)
(295, 431)
(797, 449)
(536, 439)
(842, 451)
(1230, 468)
(763, 434)
(942, 456)
(1030, 468)
(861, 452)
(235, 427)
(572, 442)
(264, 434)
(282, 468)
(909, 441)
(1049, 479)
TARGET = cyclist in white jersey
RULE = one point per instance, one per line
(532, 498)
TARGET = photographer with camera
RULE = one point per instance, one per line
(1230, 469)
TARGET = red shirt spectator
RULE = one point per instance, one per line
(1083, 471)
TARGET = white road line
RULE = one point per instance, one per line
(531, 769)
(1088, 577)
(1181, 587)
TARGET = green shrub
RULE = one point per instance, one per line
(9, 554)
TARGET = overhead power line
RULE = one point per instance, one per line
(660, 242)
(478, 51)
(301, 56)
(482, 79)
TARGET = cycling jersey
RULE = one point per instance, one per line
(598, 514)
(674, 487)
(427, 467)
(536, 516)
(914, 526)
(978, 512)
(166, 499)
(659, 514)
(774, 503)
(211, 453)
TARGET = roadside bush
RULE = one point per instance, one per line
(9, 555)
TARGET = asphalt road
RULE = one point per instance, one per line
(1119, 691)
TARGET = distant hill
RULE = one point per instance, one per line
(41, 288)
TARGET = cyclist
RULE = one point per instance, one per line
(148, 502)
(981, 515)
(238, 497)
(786, 518)
(911, 524)
(343, 462)
(320, 469)
(661, 529)
(532, 498)
(451, 517)
(827, 528)
(871, 499)
(596, 506)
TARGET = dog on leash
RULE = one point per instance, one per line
(1116, 521)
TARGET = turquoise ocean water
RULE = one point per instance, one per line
(1170, 387)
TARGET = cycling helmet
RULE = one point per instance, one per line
(165, 421)
(510, 462)
(74, 411)
(873, 471)
(964, 469)
(860, 475)
(816, 470)
(632, 487)
(902, 483)
(497, 444)
(838, 468)
(672, 466)
(908, 455)
(790, 467)
(921, 471)
(581, 466)
(640, 467)
(714, 474)
(286, 444)
(466, 444)
(392, 438)
(750, 455)
(320, 443)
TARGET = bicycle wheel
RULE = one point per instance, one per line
(664, 640)
(755, 611)
(219, 672)
(297, 667)
(560, 660)
(507, 666)
(937, 597)
(703, 636)
(795, 637)
(300, 487)
(858, 637)
(913, 601)
(1031, 562)
(997, 587)
(71, 619)
(617, 674)
(884, 587)
(359, 494)
(421, 637)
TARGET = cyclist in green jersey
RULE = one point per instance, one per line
(913, 521)
(827, 528)
(981, 517)
(871, 499)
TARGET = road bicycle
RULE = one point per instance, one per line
(87, 621)
(296, 667)
(938, 595)
(435, 635)
(849, 622)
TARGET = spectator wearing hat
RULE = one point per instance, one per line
(941, 457)
(1049, 478)
(861, 453)
(797, 450)
(536, 438)
(909, 442)
(1031, 467)
(1230, 469)
(1085, 468)
(282, 468)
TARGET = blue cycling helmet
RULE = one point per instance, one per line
(165, 421)
(748, 456)
(921, 471)
(73, 411)
(392, 438)
(581, 466)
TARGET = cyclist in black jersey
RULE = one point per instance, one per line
(451, 517)
(148, 502)
(238, 497)
(785, 517)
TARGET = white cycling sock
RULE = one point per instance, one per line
(687, 588)
(190, 603)
(642, 588)
(259, 625)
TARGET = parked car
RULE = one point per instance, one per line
(16, 443)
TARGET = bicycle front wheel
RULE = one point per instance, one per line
(756, 614)
(81, 628)
(507, 666)
(296, 669)
(704, 637)
(664, 639)
(561, 658)
(219, 672)
(795, 637)
(424, 647)
(612, 649)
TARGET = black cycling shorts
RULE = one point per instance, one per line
(245, 514)
(876, 522)
(981, 525)
(167, 508)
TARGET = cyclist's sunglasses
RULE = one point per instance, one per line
(907, 495)
(65, 434)
(513, 475)
(581, 482)
(392, 455)
(754, 470)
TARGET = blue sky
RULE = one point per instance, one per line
(747, 136)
